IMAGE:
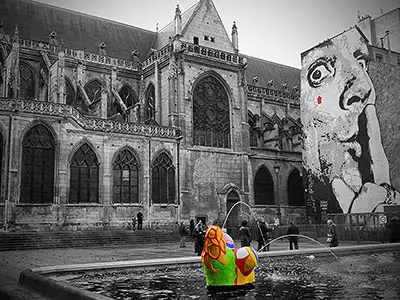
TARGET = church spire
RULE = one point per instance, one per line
(235, 41)
(178, 21)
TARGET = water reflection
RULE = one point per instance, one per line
(372, 277)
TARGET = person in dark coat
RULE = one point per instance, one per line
(244, 234)
(199, 233)
(191, 227)
(263, 235)
(182, 233)
(332, 237)
(393, 228)
(139, 217)
(293, 240)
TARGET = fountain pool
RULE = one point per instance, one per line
(361, 276)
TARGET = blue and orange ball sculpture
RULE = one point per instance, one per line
(224, 265)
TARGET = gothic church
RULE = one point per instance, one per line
(100, 120)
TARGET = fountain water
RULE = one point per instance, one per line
(251, 212)
(266, 244)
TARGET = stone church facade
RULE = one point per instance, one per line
(100, 120)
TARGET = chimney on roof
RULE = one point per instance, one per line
(178, 21)
(102, 49)
(235, 37)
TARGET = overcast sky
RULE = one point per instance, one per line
(276, 30)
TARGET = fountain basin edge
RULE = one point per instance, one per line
(36, 280)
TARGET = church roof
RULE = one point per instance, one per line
(78, 31)
(266, 70)
(169, 30)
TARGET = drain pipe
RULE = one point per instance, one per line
(149, 185)
(7, 192)
(178, 143)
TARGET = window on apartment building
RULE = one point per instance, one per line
(38, 158)
(295, 189)
(27, 82)
(263, 187)
(212, 39)
(163, 179)
(378, 57)
(211, 119)
(195, 40)
(398, 61)
(125, 177)
(206, 38)
(84, 176)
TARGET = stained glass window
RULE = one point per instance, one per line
(126, 178)
(295, 189)
(163, 180)
(27, 82)
(84, 176)
(211, 122)
(263, 187)
(38, 157)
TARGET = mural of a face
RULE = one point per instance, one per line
(342, 143)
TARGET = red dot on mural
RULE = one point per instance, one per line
(319, 100)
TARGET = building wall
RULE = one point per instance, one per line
(350, 133)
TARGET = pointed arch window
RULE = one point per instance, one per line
(163, 179)
(84, 176)
(128, 96)
(38, 158)
(150, 108)
(69, 93)
(253, 128)
(211, 120)
(263, 187)
(27, 82)
(93, 90)
(125, 178)
(295, 189)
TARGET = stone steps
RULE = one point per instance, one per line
(72, 239)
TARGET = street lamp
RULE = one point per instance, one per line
(277, 168)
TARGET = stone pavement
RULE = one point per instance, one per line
(12, 263)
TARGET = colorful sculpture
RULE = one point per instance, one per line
(224, 265)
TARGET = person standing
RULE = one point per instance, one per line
(332, 237)
(244, 234)
(139, 217)
(293, 231)
(191, 227)
(133, 222)
(263, 235)
(183, 233)
(199, 234)
(393, 228)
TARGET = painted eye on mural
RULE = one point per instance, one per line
(362, 61)
(318, 72)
